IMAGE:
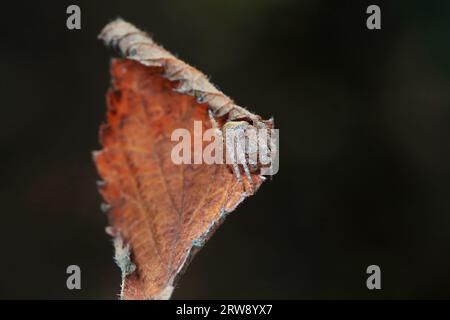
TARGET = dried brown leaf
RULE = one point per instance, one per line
(160, 213)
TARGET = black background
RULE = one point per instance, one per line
(364, 164)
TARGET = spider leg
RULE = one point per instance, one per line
(237, 173)
(248, 176)
(236, 170)
(213, 120)
(233, 157)
(241, 159)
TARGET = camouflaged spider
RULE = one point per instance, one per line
(247, 143)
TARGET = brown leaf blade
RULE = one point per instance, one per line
(160, 212)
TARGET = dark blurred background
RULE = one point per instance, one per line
(364, 120)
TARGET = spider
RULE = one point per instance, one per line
(246, 144)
